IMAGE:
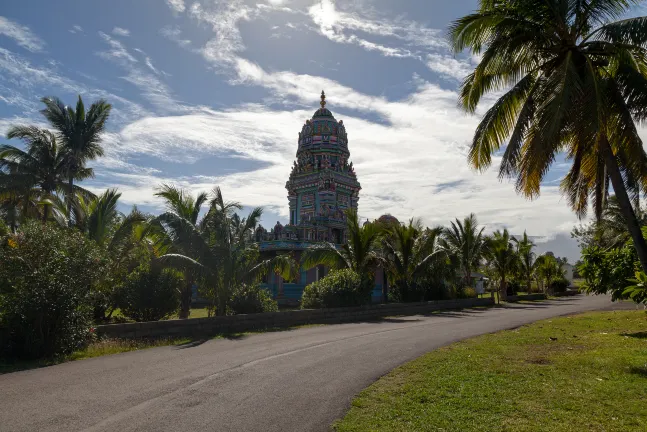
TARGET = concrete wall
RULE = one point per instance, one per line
(210, 326)
(517, 298)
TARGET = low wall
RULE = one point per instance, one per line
(196, 327)
(567, 293)
(528, 297)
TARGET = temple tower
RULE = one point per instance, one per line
(322, 184)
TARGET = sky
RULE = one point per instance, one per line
(214, 92)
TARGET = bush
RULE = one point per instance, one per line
(250, 299)
(559, 285)
(468, 292)
(47, 276)
(339, 288)
(150, 295)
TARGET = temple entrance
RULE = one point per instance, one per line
(336, 236)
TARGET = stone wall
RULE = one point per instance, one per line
(517, 298)
(197, 327)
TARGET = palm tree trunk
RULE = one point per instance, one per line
(625, 205)
(70, 185)
(45, 213)
(185, 301)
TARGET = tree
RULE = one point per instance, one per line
(122, 237)
(548, 268)
(410, 251)
(465, 243)
(39, 170)
(180, 202)
(80, 134)
(502, 258)
(526, 259)
(571, 87)
(360, 253)
(221, 251)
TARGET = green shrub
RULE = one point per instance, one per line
(47, 276)
(337, 289)
(469, 292)
(559, 285)
(150, 295)
(249, 299)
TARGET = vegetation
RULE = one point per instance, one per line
(585, 372)
(466, 242)
(359, 254)
(415, 260)
(150, 294)
(503, 258)
(575, 82)
(249, 299)
(46, 279)
(337, 289)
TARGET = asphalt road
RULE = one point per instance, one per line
(299, 380)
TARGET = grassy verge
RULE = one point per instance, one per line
(115, 346)
(581, 373)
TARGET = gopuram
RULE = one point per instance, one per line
(321, 186)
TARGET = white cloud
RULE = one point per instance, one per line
(174, 34)
(151, 86)
(22, 35)
(449, 66)
(119, 31)
(25, 78)
(176, 5)
(76, 29)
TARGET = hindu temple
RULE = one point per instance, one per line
(321, 186)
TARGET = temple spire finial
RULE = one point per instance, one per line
(323, 99)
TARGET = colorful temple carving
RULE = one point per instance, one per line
(321, 186)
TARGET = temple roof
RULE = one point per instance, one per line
(323, 131)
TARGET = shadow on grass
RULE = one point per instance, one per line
(637, 335)
(640, 371)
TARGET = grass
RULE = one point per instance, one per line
(582, 373)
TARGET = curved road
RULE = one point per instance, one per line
(300, 380)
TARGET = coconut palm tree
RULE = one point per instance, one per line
(526, 256)
(360, 253)
(575, 82)
(40, 167)
(410, 252)
(220, 251)
(502, 258)
(465, 243)
(80, 133)
(181, 203)
(547, 269)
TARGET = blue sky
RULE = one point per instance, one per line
(214, 92)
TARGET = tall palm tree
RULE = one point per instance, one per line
(502, 257)
(80, 134)
(526, 258)
(575, 81)
(41, 166)
(360, 253)
(411, 252)
(465, 243)
(181, 203)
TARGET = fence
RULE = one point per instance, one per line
(196, 327)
